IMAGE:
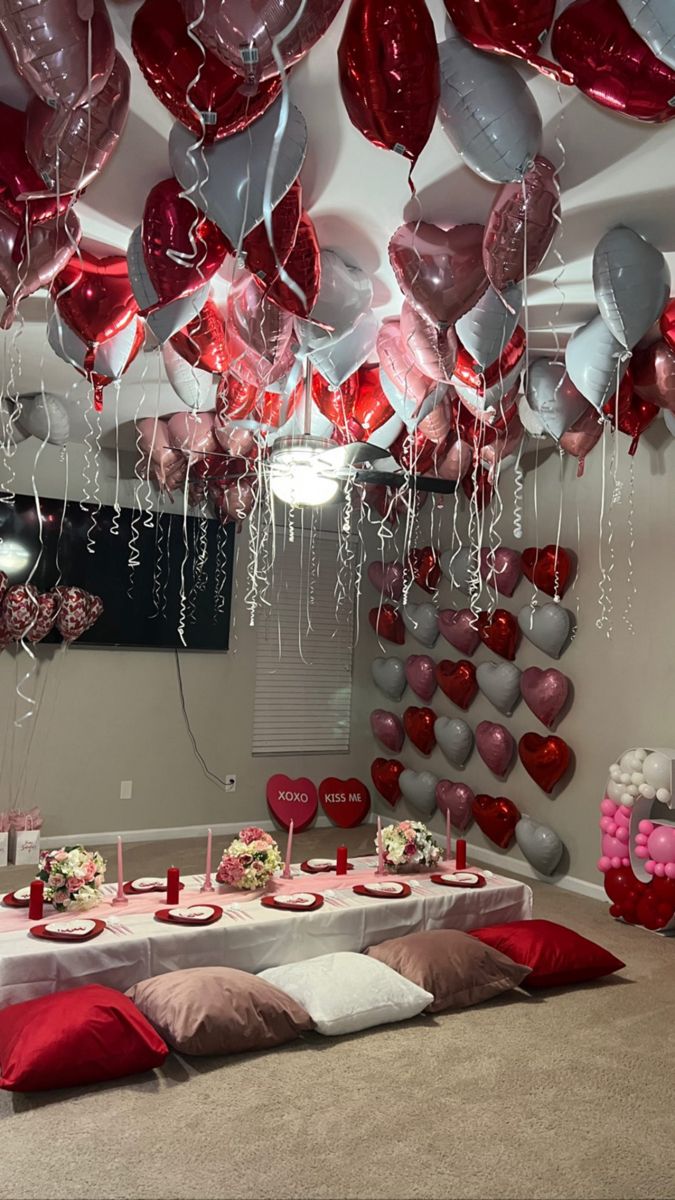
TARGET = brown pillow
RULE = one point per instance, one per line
(444, 962)
(217, 1010)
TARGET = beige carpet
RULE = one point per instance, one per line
(564, 1095)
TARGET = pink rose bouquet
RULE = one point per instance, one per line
(409, 844)
(72, 877)
(250, 860)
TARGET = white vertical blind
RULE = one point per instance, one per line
(303, 689)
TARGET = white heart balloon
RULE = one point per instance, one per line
(547, 627)
(500, 682)
(421, 620)
(389, 676)
(419, 788)
(455, 739)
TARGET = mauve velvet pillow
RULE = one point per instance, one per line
(445, 963)
(217, 1010)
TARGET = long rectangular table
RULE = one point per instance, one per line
(135, 946)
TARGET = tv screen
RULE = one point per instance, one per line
(136, 562)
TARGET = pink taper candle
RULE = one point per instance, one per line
(448, 838)
(207, 885)
(289, 847)
(380, 848)
(120, 898)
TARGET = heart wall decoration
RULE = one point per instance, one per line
(496, 747)
(548, 627)
(548, 569)
(457, 680)
(420, 672)
(292, 800)
(499, 631)
(387, 728)
(455, 739)
(425, 568)
(541, 845)
(346, 802)
(545, 759)
(500, 682)
(496, 817)
(387, 623)
(421, 620)
(387, 579)
(419, 726)
(389, 676)
(455, 799)
(545, 692)
(459, 627)
(419, 789)
(386, 775)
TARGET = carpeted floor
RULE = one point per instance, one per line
(566, 1095)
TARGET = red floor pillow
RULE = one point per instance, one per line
(556, 955)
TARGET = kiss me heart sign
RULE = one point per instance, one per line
(292, 800)
(346, 802)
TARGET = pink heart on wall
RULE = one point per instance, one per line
(292, 800)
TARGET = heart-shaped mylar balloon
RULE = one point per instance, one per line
(501, 569)
(459, 567)
(303, 268)
(387, 623)
(387, 728)
(541, 846)
(653, 370)
(422, 622)
(455, 739)
(387, 578)
(419, 726)
(385, 774)
(548, 569)
(497, 817)
(93, 295)
(420, 672)
(459, 627)
(439, 271)
(292, 800)
(545, 693)
(516, 27)
(389, 676)
(425, 568)
(182, 249)
(48, 606)
(547, 627)
(346, 802)
(455, 799)
(264, 259)
(457, 680)
(20, 611)
(496, 747)
(499, 632)
(419, 789)
(546, 759)
(500, 682)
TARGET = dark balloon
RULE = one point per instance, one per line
(202, 342)
(515, 27)
(93, 295)
(19, 178)
(521, 225)
(172, 227)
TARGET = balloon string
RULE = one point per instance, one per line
(134, 532)
(518, 487)
(91, 541)
(201, 171)
(59, 540)
(631, 582)
(601, 620)
(558, 534)
(117, 510)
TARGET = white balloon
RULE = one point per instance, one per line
(624, 778)
(345, 294)
(654, 22)
(614, 790)
(629, 762)
(663, 795)
(648, 792)
(43, 416)
(641, 756)
(628, 800)
(192, 386)
(337, 358)
(530, 421)
(657, 771)
(637, 777)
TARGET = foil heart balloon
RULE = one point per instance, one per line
(371, 409)
(520, 228)
(631, 415)
(516, 27)
(303, 268)
(455, 799)
(387, 623)
(182, 249)
(385, 774)
(609, 62)
(653, 371)
(29, 264)
(258, 334)
(455, 739)
(433, 350)
(496, 747)
(457, 680)
(20, 611)
(545, 693)
(583, 435)
(419, 789)
(501, 569)
(232, 500)
(64, 50)
(425, 568)
(459, 627)
(387, 578)
(48, 606)
(422, 622)
(93, 295)
(419, 726)
(440, 272)
(467, 371)
(73, 614)
(389, 676)
(202, 342)
(547, 627)
(497, 817)
(548, 569)
(19, 179)
(420, 672)
(499, 632)
(546, 759)
(401, 378)
(387, 728)
(263, 258)
(500, 682)
(541, 846)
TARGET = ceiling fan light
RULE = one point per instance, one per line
(296, 478)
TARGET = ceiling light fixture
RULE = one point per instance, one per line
(296, 476)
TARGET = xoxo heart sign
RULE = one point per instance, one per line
(293, 800)
(346, 802)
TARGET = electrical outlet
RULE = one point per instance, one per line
(126, 789)
(230, 783)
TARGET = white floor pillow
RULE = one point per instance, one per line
(346, 992)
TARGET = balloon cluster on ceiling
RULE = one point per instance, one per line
(445, 395)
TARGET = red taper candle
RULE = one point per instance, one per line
(172, 885)
(341, 860)
(460, 854)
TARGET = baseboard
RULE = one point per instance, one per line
(109, 838)
(516, 866)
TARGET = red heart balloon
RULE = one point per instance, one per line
(497, 817)
(337, 406)
(478, 488)
(515, 27)
(653, 370)
(93, 295)
(419, 726)
(544, 758)
(48, 606)
(18, 177)
(425, 568)
(202, 342)
(371, 408)
(235, 400)
(469, 372)
(415, 452)
(385, 774)
(172, 226)
(184, 76)
(667, 323)
(500, 633)
(388, 623)
(346, 802)
(304, 268)
(542, 566)
(457, 680)
(634, 413)
(611, 63)
(262, 259)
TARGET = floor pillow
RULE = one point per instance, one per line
(82, 1036)
(219, 1010)
(451, 966)
(345, 992)
(556, 955)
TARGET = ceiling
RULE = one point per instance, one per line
(612, 170)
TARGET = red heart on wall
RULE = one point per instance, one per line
(499, 631)
(292, 800)
(388, 623)
(497, 817)
(457, 680)
(425, 568)
(346, 802)
(541, 566)
(419, 726)
(385, 774)
(544, 758)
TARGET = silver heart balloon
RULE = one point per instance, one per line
(228, 179)
(421, 620)
(553, 397)
(455, 739)
(419, 788)
(487, 111)
(111, 356)
(631, 280)
(654, 22)
(345, 293)
(389, 676)
(460, 567)
(595, 361)
(337, 358)
(500, 682)
(166, 321)
(192, 385)
(541, 845)
(141, 283)
(547, 627)
(488, 327)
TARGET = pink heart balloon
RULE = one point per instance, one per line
(193, 431)
(583, 435)
(387, 578)
(399, 365)
(545, 693)
(420, 672)
(433, 349)
(521, 225)
(501, 569)
(29, 262)
(439, 271)
(258, 334)
(495, 746)
(459, 628)
(387, 728)
(456, 799)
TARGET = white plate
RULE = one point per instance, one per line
(146, 884)
(22, 894)
(298, 899)
(73, 928)
(321, 864)
(196, 912)
(387, 889)
(460, 877)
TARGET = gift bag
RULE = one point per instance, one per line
(24, 837)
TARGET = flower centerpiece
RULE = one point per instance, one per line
(250, 860)
(72, 877)
(409, 844)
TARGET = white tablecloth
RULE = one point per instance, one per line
(250, 937)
